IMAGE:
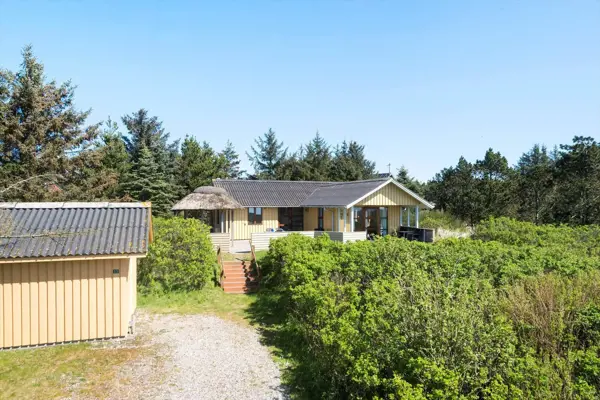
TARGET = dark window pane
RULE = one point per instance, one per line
(251, 215)
(258, 215)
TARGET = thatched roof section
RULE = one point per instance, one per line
(207, 198)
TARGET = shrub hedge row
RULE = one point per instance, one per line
(511, 317)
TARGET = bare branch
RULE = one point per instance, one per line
(16, 184)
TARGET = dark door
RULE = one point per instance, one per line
(291, 219)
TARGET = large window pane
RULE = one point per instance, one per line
(358, 219)
(383, 220)
(251, 215)
(320, 224)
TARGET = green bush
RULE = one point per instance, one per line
(181, 257)
(457, 319)
(438, 219)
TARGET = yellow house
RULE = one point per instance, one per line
(247, 209)
(68, 270)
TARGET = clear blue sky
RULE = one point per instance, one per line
(420, 83)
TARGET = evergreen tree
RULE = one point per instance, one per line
(535, 171)
(409, 182)
(145, 182)
(316, 160)
(232, 162)
(115, 160)
(350, 164)
(292, 168)
(578, 182)
(267, 156)
(494, 186)
(148, 132)
(46, 152)
(200, 164)
(455, 190)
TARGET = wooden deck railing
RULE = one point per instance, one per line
(221, 268)
(255, 262)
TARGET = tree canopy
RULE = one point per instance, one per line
(49, 151)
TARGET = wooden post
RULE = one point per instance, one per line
(408, 216)
(332, 220)
(337, 219)
(416, 216)
(352, 220)
(345, 218)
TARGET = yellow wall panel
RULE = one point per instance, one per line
(34, 288)
(243, 230)
(389, 195)
(16, 302)
(61, 301)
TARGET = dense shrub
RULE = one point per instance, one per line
(438, 219)
(180, 258)
(583, 240)
(457, 319)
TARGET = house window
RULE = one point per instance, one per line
(320, 225)
(383, 220)
(358, 219)
(255, 215)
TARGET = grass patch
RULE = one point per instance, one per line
(61, 371)
(233, 307)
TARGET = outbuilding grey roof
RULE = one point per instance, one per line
(35, 230)
(342, 194)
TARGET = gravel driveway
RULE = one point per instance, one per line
(200, 357)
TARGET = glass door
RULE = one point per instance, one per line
(372, 220)
(383, 221)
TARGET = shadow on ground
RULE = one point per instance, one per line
(266, 313)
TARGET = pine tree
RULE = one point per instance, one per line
(578, 182)
(409, 182)
(317, 160)
(115, 160)
(200, 164)
(145, 182)
(46, 153)
(495, 186)
(350, 164)
(267, 156)
(148, 132)
(232, 162)
(535, 184)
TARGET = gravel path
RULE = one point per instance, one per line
(200, 357)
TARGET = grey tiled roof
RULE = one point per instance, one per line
(265, 193)
(33, 230)
(341, 195)
(259, 193)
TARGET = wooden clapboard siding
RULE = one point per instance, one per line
(222, 240)
(243, 231)
(63, 301)
(389, 195)
(311, 219)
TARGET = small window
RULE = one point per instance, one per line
(320, 225)
(255, 215)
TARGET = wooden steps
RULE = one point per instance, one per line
(238, 277)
